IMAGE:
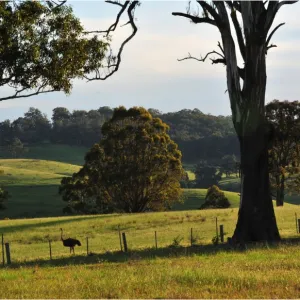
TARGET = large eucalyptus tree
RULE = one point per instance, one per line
(251, 22)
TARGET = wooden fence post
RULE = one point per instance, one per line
(120, 238)
(3, 259)
(217, 233)
(155, 240)
(298, 225)
(191, 237)
(7, 253)
(222, 233)
(87, 246)
(50, 249)
(124, 241)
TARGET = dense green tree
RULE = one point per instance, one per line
(284, 155)
(6, 133)
(135, 167)
(43, 47)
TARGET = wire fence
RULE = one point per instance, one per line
(121, 239)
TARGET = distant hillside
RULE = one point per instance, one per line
(33, 186)
(199, 135)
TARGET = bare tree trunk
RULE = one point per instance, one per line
(256, 218)
(280, 190)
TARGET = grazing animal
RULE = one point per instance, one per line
(71, 243)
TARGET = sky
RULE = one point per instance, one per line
(150, 75)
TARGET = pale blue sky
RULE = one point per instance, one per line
(150, 75)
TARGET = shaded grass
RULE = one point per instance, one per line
(54, 152)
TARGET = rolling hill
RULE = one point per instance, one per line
(33, 182)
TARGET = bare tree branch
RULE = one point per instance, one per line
(221, 48)
(286, 2)
(239, 33)
(39, 91)
(272, 33)
(273, 7)
(207, 7)
(114, 2)
(113, 26)
(61, 3)
(195, 19)
(202, 59)
(115, 61)
(269, 47)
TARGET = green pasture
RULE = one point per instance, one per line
(201, 271)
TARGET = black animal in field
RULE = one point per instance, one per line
(71, 243)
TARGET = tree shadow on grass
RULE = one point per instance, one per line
(150, 253)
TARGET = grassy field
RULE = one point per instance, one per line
(33, 182)
(202, 271)
(33, 186)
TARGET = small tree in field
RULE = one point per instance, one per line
(215, 198)
(135, 167)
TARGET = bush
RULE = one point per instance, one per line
(215, 198)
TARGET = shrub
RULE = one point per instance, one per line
(215, 198)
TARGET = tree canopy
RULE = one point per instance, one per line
(135, 167)
(284, 155)
(43, 47)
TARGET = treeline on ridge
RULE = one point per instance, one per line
(198, 135)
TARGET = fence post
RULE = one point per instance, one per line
(124, 241)
(7, 253)
(50, 249)
(191, 237)
(120, 238)
(222, 233)
(87, 246)
(296, 223)
(155, 240)
(3, 259)
(217, 233)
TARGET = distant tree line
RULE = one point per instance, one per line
(198, 135)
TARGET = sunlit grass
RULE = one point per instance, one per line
(263, 271)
